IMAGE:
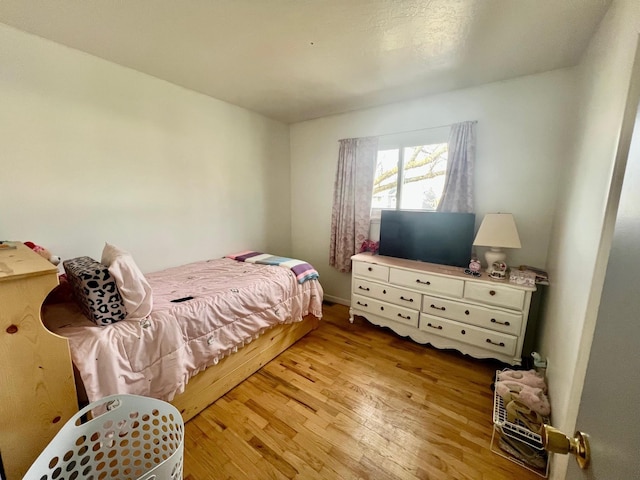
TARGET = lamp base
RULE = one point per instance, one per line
(494, 254)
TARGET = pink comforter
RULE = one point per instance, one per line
(233, 304)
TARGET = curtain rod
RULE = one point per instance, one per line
(420, 129)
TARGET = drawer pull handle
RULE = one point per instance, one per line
(437, 327)
(501, 344)
(366, 289)
(370, 269)
(492, 292)
(466, 312)
(406, 299)
(381, 308)
(363, 304)
(423, 283)
(11, 329)
(384, 291)
(438, 308)
(493, 320)
(402, 316)
(463, 332)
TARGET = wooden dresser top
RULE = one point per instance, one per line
(23, 262)
(435, 269)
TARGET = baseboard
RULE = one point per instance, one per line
(341, 301)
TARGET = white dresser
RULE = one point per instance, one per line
(440, 305)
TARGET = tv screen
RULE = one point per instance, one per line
(434, 237)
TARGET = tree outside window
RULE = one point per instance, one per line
(409, 177)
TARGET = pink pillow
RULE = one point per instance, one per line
(133, 286)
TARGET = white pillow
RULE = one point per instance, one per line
(133, 286)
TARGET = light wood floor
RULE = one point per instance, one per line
(353, 402)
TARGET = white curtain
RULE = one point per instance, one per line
(458, 186)
(352, 194)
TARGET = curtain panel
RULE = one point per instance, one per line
(457, 195)
(353, 190)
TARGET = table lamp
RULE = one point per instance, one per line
(497, 231)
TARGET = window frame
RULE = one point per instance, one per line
(401, 141)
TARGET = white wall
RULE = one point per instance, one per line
(94, 152)
(521, 146)
(582, 232)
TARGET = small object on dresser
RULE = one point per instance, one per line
(522, 277)
(498, 271)
(541, 277)
(370, 246)
(43, 252)
(7, 245)
(474, 268)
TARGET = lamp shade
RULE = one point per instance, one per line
(498, 230)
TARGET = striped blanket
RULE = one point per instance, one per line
(302, 270)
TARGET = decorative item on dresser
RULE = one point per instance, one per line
(440, 305)
(497, 231)
(37, 389)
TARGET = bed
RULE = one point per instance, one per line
(212, 324)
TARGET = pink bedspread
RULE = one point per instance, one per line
(233, 304)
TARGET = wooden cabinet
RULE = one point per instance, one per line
(440, 305)
(37, 390)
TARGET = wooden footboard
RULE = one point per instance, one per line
(212, 383)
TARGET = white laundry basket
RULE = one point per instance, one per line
(130, 437)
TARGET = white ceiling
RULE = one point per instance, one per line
(294, 60)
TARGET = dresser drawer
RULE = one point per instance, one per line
(425, 282)
(495, 295)
(387, 293)
(396, 313)
(479, 337)
(474, 315)
(371, 270)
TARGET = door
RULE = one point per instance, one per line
(610, 405)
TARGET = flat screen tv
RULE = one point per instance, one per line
(434, 237)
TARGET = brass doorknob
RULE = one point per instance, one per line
(556, 441)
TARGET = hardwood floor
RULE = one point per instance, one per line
(353, 402)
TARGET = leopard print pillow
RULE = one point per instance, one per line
(95, 290)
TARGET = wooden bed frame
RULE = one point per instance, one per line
(212, 383)
(39, 394)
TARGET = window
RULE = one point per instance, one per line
(409, 175)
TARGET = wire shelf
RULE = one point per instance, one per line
(495, 448)
(516, 430)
